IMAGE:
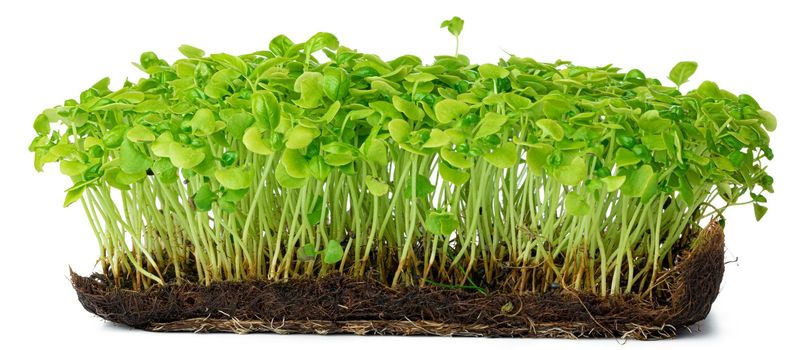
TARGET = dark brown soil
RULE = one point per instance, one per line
(340, 304)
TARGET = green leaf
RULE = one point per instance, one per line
(673, 144)
(231, 62)
(335, 83)
(723, 164)
(760, 211)
(306, 252)
(121, 180)
(709, 89)
(681, 72)
(554, 106)
(441, 223)
(285, 180)
(331, 112)
(73, 195)
(625, 157)
(234, 178)
(184, 157)
(165, 171)
(42, 125)
(376, 186)
(114, 138)
(318, 168)
(376, 152)
(576, 205)
(399, 130)
(265, 108)
(421, 77)
(338, 159)
(651, 122)
(253, 141)
(140, 133)
(437, 139)
(703, 161)
(505, 156)
(458, 160)
(203, 198)
(216, 89)
(132, 160)
(769, 120)
(319, 41)
(422, 187)
(455, 176)
(203, 123)
(295, 164)
(191, 51)
(492, 71)
(301, 136)
(685, 190)
(161, 147)
(551, 128)
(315, 213)
(572, 174)
(537, 157)
(385, 109)
(233, 196)
(310, 86)
(448, 110)
(280, 45)
(338, 148)
(519, 102)
(490, 124)
(333, 252)
(236, 121)
(613, 183)
(128, 95)
(640, 183)
(412, 111)
(493, 100)
(454, 25)
(654, 142)
(725, 191)
(359, 114)
(72, 167)
(383, 87)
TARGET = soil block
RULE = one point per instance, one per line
(341, 304)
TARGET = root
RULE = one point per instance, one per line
(338, 303)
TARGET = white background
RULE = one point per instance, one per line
(52, 51)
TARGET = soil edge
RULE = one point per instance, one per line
(339, 304)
